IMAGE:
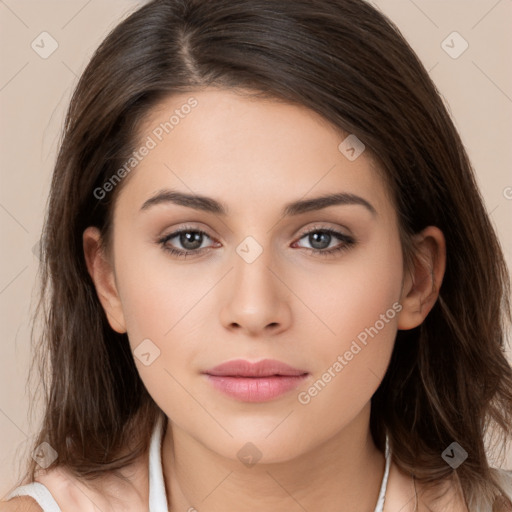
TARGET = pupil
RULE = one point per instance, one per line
(315, 239)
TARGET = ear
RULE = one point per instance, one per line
(422, 282)
(102, 273)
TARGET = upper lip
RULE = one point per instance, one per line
(263, 368)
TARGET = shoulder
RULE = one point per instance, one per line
(504, 477)
(447, 497)
(407, 495)
(108, 492)
(20, 504)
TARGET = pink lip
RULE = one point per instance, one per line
(255, 382)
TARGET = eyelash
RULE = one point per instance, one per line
(348, 242)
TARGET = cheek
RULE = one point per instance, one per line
(358, 303)
(163, 309)
(156, 292)
(352, 293)
(169, 312)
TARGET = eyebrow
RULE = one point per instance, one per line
(208, 204)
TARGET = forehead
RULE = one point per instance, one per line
(249, 152)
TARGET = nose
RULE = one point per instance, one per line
(257, 301)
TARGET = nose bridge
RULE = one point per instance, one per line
(256, 299)
(253, 279)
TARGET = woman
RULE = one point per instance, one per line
(272, 282)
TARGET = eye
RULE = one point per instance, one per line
(191, 241)
(321, 241)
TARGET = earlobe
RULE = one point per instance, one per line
(102, 274)
(423, 281)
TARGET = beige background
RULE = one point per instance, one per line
(34, 94)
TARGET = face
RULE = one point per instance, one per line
(315, 285)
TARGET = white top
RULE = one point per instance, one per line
(157, 495)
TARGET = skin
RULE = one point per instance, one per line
(304, 309)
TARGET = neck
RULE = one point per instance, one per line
(344, 472)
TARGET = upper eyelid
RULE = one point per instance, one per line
(185, 229)
(326, 228)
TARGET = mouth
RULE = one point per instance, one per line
(263, 368)
(255, 382)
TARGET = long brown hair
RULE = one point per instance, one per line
(448, 379)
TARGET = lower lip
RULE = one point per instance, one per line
(255, 389)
